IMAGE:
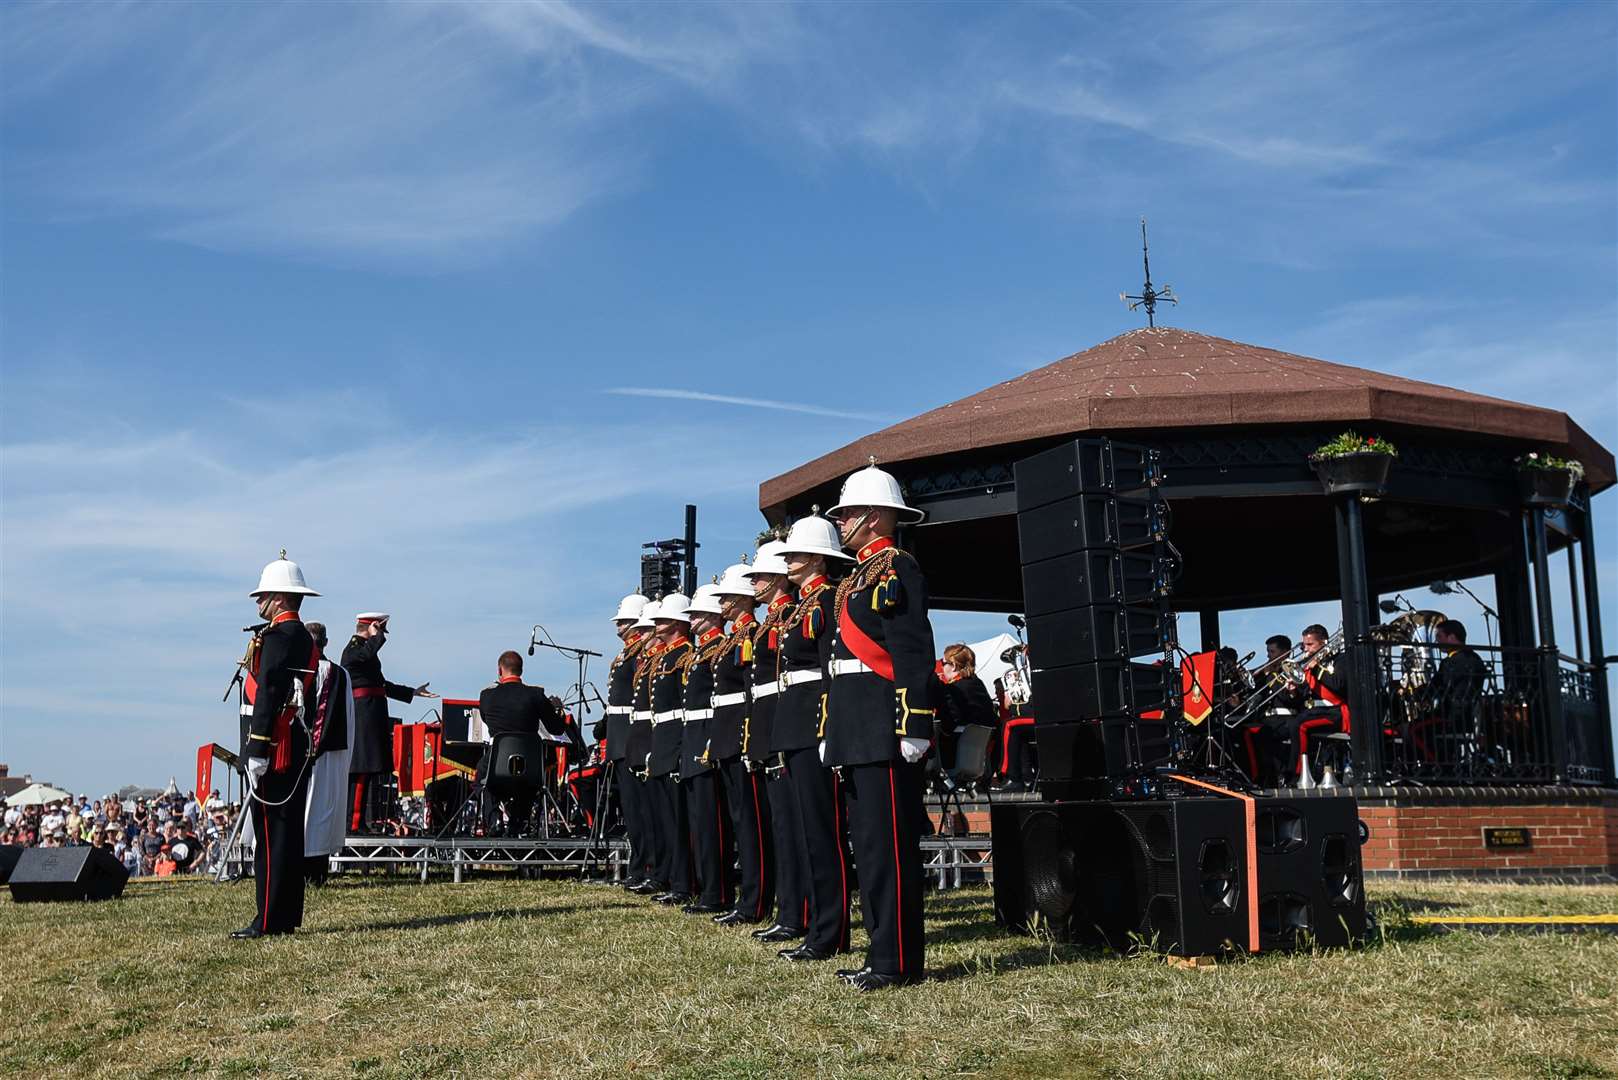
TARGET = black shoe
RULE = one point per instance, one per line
(629, 884)
(780, 933)
(672, 898)
(647, 888)
(247, 933)
(803, 952)
(733, 918)
(848, 975)
(877, 980)
(700, 908)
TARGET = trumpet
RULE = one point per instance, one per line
(1278, 674)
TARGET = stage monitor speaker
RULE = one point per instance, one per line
(72, 873)
(1082, 466)
(1168, 875)
(1311, 882)
(1091, 576)
(1089, 521)
(1082, 691)
(1097, 632)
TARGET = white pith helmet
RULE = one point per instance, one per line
(672, 608)
(630, 607)
(768, 560)
(813, 535)
(705, 602)
(735, 582)
(645, 621)
(282, 576)
(872, 486)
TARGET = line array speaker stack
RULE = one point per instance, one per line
(1092, 526)
(1173, 874)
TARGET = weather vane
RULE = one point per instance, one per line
(1149, 296)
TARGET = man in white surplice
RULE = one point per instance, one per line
(325, 820)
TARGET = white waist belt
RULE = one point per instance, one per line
(619, 710)
(764, 689)
(793, 678)
(851, 667)
(666, 716)
(722, 700)
(698, 714)
(639, 715)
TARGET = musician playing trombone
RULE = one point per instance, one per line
(1312, 703)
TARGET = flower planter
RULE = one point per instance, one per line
(1353, 474)
(1545, 487)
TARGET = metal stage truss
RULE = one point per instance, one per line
(948, 861)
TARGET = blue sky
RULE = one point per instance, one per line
(371, 282)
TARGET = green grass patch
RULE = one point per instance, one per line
(501, 977)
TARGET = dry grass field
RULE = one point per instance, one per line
(502, 977)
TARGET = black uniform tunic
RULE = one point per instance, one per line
(512, 707)
(699, 777)
(745, 792)
(373, 729)
(821, 847)
(880, 693)
(758, 737)
(674, 843)
(285, 651)
(647, 842)
(620, 714)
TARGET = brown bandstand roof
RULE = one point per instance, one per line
(1166, 378)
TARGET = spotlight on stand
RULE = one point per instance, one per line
(1389, 607)
(1442, 588)
(1016, 620)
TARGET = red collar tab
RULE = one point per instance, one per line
(709, 635)
(677, 642)
(510, 678)
(777, 604)
(634, 638)
(881, 543)
(285, 616)
(743, 621)
(811, 585)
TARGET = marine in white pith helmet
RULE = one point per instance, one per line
(629, 608)
(813, 535)
(672, 609)
(768, 560)
(872, 488)
(282, 576)
(706, 601)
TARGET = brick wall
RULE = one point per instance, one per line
(1427, 838)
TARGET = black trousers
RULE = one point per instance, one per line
(822, 839)
(631, 797)
(278, 851)
(884, 814)
(710, 835)
(673, 836)
(370, 800)
(749, 806)
(787, 857)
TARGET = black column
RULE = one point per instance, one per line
(1592, 614)
(1511, 592)
(1549, 668)
(1358, 657)
(1209, 620)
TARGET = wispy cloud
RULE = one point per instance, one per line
(751, 403)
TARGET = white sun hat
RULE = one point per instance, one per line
(282, 576)
(813, 535)
(872, 486)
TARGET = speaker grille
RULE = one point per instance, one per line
(1051, 867)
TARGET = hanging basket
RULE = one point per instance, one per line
(1353, 474)
(1545, 487)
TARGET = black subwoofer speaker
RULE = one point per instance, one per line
(75, 873)
(1311, 882)
(1169, 875)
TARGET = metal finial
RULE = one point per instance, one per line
(1149, 296)
(283, 554)
(814, 510)
(872, 459)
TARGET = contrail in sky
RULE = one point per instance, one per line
(754, 403)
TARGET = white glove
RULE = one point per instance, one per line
(913, 750)
(823, 751)
(257, 767)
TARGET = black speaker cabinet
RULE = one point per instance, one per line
(72, 873)
(1168, 875)
(1311, 883)
(1082, 466)
(1082, 691)
(9, 854)
(1091, 576)
(1096, 632)
(1089, 521)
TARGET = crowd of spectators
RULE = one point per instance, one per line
(161, 836)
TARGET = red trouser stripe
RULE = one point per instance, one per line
(1252, 752)
(1303, 737)
(842, 856)
(1005, 740)
(355, 817)
(758, 830)
(898, 873)
(264, 918)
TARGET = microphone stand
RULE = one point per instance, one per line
(582, 658)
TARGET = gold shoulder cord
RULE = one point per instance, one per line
(873, 570)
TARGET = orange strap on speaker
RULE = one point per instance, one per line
(1250, 811)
